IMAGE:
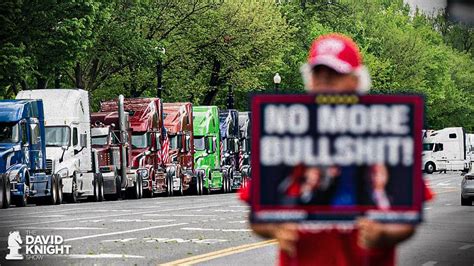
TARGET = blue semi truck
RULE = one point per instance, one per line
(23, 172)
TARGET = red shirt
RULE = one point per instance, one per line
(335, 247)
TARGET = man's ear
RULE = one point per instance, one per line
(364, 81)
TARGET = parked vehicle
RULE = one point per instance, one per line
(245, 147)
(111, 138)
(68, 142)
(207, 155)
(230, 135)
(23, 171)
(149, 144)
(445, 149)
(179, 128)
(467, 187)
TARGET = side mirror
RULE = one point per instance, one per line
(147, 153)
(83, 140)
(64, 148)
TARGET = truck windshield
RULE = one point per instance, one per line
(199, 143)
(57, 136)
(428, 146)
(173, 142)
(9, 133)
(139, 141)
(100, 140)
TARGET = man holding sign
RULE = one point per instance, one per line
(342, 157)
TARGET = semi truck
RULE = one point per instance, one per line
(23, 172)
(230, 135)
(179, 129)
(68, 142)
(111, 138)
(245, 147)
(445, 149)
(149, 144)
(207, 154)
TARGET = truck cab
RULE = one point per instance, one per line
(245, 146)
(179, 129)
(23, 172)
(230, 135)
(445, 149)
(207, 154)
(111, 138)
(68, 141)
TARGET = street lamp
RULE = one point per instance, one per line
(277, 81)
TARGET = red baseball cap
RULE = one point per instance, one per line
(336, 51)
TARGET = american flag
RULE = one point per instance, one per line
(165, 148)
(241, 160)
(221, 147)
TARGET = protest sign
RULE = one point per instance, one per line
(336, 157)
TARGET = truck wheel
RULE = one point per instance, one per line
(59, 189)
(207, 190)
(101, 188)
(72, 198)
(22, 200)
(169, 184)
(180, 191)
(53, 198)
(199, 184)
(96, 196)
(5, 197)
(430, 167)
(140, 189)
(466, 201)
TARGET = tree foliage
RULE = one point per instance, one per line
(204, 48)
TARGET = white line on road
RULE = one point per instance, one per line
(427, 208)
(62, 228)
(103, 256)
(430, 263)
(179, 215)
(466, 247)
(238, 222)
(123, 232)
(118, 240)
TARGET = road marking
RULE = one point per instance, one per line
(220, 253)
(212, 229)
(103, 256)
(141, 221)
(62, 228)
(180, 240)
(238, 222)
(123, 232)
(466, 247)
(102, 216)
(427, 208)
(180, 215)
(448, 204)
(429, 263)
(118, 240)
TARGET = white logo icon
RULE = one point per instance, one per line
(14, 245)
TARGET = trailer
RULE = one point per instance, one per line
(111, 138)
(23, 173)
(445, 149)
(245, 147)
(207, 154)
(179, 128)
(68, 142)
(230, 136)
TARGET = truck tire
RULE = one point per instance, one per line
(53, 198)
(198, 187)
(181, 190)
(430, 167)
(22, 200)
(96, 197)
(466, 201)
(101, 187)
(169, 184)
(73, 197)
(59, 188)
(207, 191)
(5, 196)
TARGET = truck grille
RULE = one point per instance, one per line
(49, 164)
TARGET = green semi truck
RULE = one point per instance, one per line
(207, 145)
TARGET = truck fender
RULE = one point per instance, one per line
(18, 173)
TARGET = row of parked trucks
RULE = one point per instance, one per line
(52, 147)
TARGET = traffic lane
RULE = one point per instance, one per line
(119, 225)
(266, 255)
(447, 235)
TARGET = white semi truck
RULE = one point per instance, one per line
(68, 141)
(446, 150)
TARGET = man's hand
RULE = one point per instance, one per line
(286, 235)
(373, 234)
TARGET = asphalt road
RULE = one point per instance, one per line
(212, 230)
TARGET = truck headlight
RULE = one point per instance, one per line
(143, 173)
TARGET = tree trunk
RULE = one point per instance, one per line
(213, 83)
(78, 76)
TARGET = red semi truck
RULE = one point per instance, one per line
(149, 149)
(179, 128)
